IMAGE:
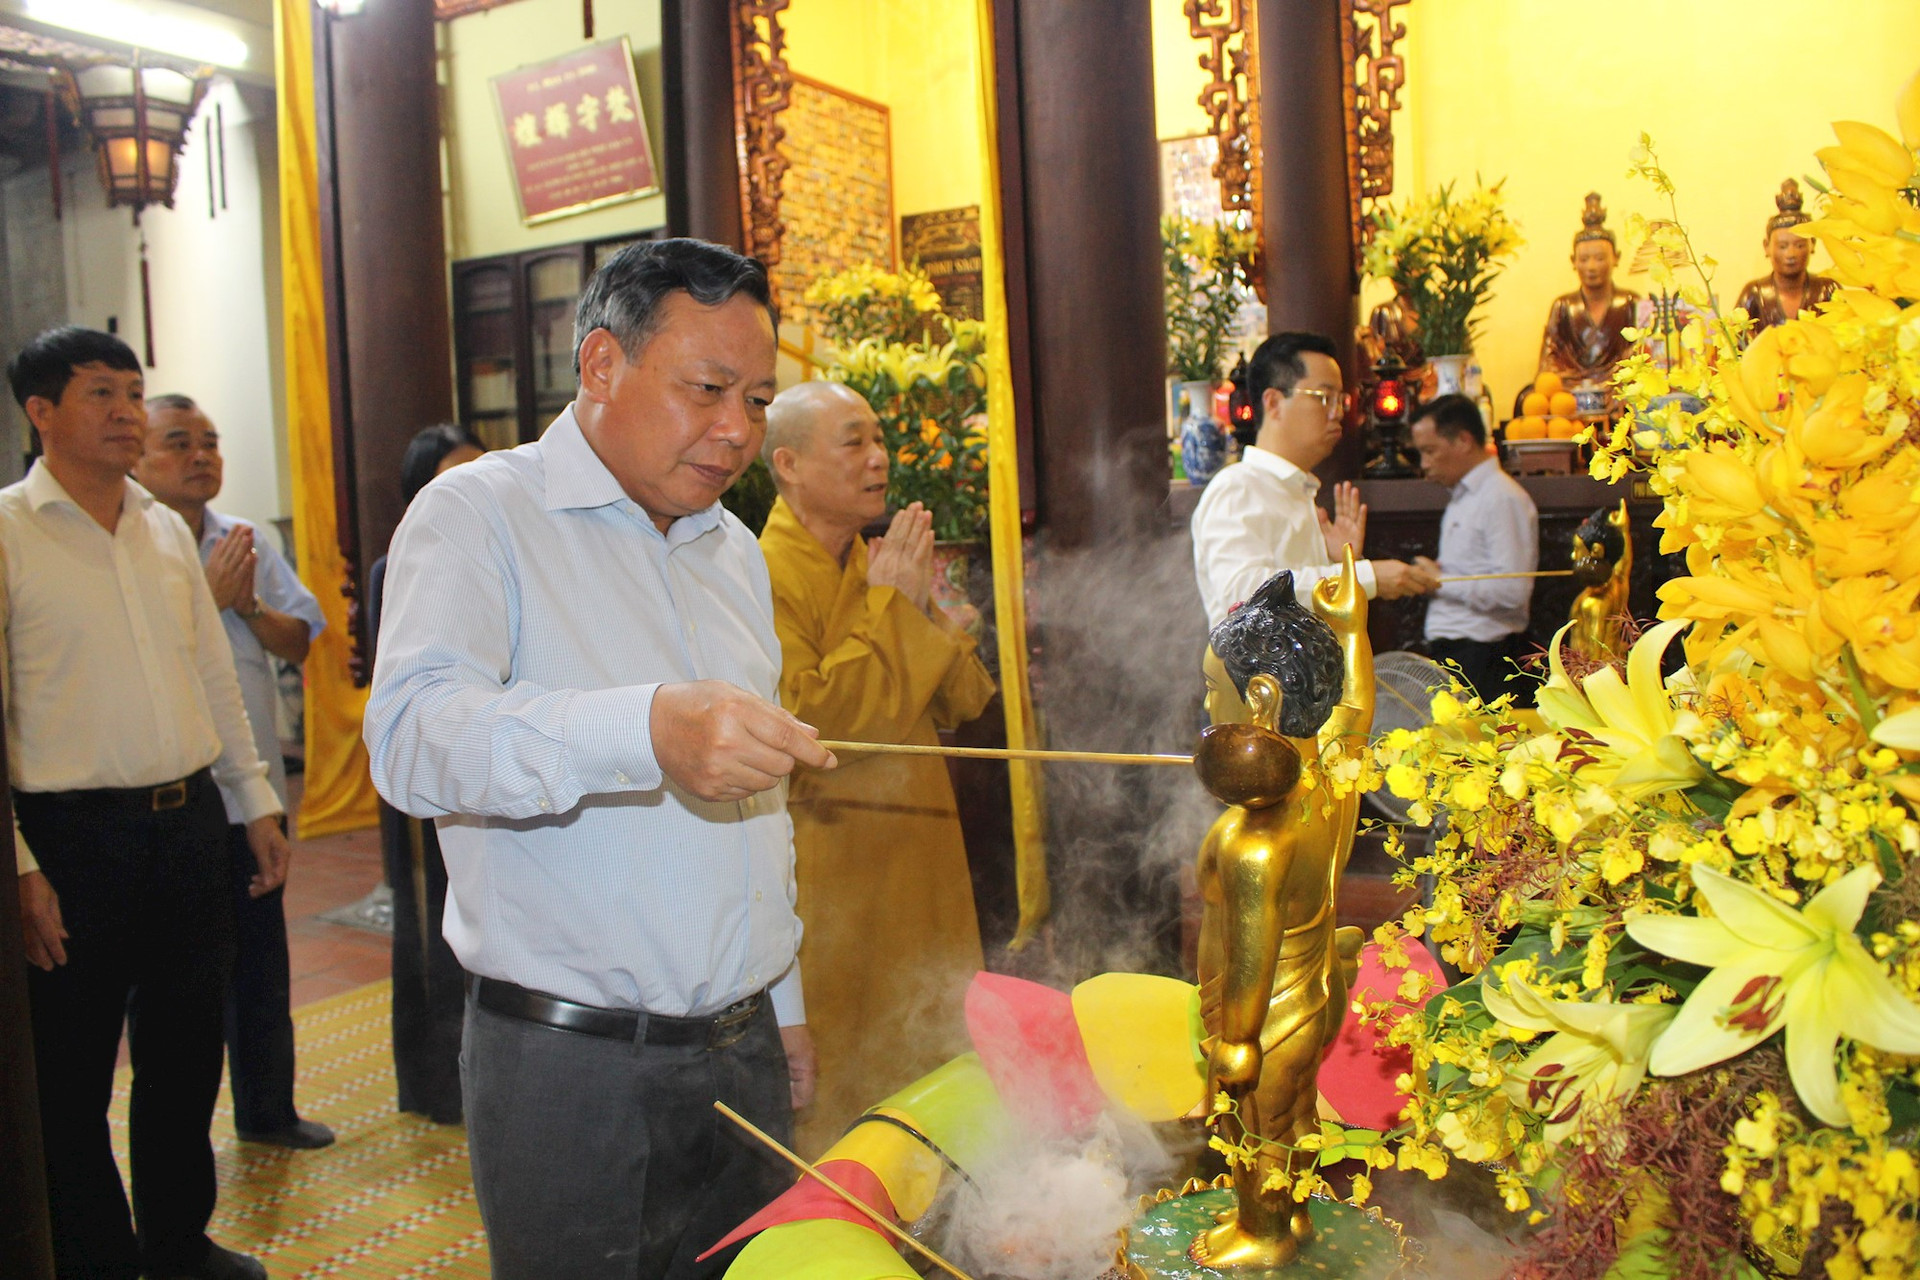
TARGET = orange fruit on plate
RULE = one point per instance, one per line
(1549, 384)
(1563, 405)
(1536, 405)
(1527, 428)
(1562, 428)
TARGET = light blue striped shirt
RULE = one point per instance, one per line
(531, 610)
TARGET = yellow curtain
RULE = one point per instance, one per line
(1003, 516)
(339, 789)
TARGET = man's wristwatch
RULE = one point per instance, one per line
(253, 609)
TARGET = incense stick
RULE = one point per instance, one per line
(1488, 577)
(1007, 753)
(879, 1219)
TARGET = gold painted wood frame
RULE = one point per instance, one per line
(762, 87)
(1369, 38)
(1369, 35)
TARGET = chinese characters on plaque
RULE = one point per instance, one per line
(576, 137)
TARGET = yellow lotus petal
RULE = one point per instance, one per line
(1901, 730)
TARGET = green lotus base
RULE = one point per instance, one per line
(1348, 1244)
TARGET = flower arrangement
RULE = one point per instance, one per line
(866, 302)
(1442, 255)
(1688, 906)
(1206, 288)
(929, 393)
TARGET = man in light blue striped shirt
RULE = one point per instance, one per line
(577, 677)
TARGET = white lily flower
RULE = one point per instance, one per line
(1631, 728)
(1773, 966)
(1597, 1051)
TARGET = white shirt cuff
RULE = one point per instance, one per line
(23, 860)
(609, 740)
(789, 1002)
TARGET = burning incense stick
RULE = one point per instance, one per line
(879, 1219)
(1488, 577)
(1007, 753)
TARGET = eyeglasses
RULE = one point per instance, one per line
(1335, 403)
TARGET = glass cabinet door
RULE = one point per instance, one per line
(490, 386)
(553, 291)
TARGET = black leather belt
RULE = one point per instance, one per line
(715, 1031)
(164, 798)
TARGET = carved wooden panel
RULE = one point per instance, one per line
(1370, 35)
(1231, 60)
(762, 86)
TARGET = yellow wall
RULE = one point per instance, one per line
(1177, 77)
(1736, 93)
(483, 215)
(917, 57)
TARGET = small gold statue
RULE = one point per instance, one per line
(1790, 288)
(1585, 335)
(1274, 969)
(1602, 563)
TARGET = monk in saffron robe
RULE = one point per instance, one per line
(891, 939)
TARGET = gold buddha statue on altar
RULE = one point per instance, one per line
(1585, 334)
(1289, 692)
(1789, 288)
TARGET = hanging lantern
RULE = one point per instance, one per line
(138, 117)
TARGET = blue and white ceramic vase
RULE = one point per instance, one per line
(1203, 444)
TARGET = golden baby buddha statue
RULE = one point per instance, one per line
(1602, 565)
(1287, 691)
(1790, 288)
(1585, 335)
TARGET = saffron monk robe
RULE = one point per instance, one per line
(890, 938)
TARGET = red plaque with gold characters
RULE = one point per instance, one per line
(576, 137)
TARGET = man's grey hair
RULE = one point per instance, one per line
(794, 414)
(172, 400)
(625, 295)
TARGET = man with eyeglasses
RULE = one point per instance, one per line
(1260, 517)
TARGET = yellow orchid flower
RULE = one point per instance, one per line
(1772, 966)
(1631, 728)
(1596, 1052)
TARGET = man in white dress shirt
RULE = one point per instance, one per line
(1259, 516)
(123, 713)
(577, 676)
(1490, 526)
(268, 613)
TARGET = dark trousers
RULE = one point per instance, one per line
(259, 1023)
(149, 914)
(1488, 666)
(602, 1159)
(429, 986)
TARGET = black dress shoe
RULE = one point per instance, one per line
(301, 1135)
(221, 1264)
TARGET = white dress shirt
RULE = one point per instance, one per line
(531, 610)
(117, 671)
(1489, 526)
(278, 587)
(1256, 518)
